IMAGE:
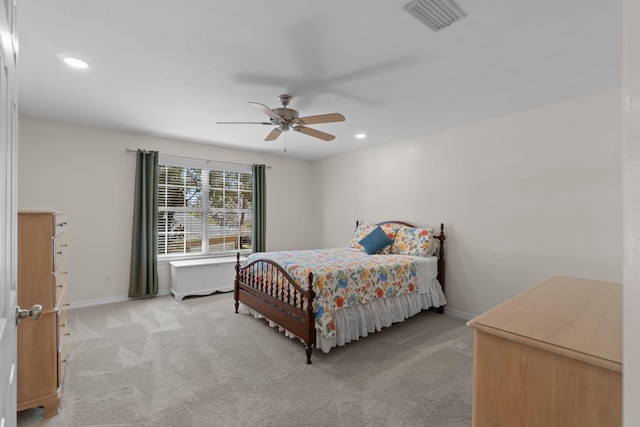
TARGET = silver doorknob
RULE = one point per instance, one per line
(34, 313)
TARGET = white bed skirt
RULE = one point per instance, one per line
(359, 321)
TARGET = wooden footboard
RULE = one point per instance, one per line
(266, 288)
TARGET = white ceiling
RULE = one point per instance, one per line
(175, 68)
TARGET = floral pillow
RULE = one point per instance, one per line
(391, 229)
(360, 233)
(413, 242)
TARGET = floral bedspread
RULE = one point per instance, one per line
(345, 277)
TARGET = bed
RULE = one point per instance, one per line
(389, 272)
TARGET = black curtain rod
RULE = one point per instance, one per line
(129, 150)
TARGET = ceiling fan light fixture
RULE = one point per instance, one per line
(435, 14)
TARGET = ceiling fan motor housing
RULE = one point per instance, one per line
(286, 113)
(289, 115)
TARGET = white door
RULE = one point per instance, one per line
(8, 212)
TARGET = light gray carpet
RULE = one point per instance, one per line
(158, 362)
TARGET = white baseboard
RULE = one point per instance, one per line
(89, 303)
(458, 313)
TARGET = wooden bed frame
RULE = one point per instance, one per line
(288, 304)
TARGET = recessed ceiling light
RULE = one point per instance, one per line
(361, 135)
(75, 62)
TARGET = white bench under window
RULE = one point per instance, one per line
(202, 276)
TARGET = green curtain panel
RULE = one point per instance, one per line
(259, 202)
(143, 279)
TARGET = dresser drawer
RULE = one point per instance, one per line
(62, 363)
(59, 223)
(63, 340)
(60, 283)
(63, 328)
(60, 252)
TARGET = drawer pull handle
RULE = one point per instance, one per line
(67, 334)
(66, 305)
(59, 286)
(62, 224)
(59, 253)
(64, 246)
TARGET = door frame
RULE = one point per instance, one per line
(8, 212)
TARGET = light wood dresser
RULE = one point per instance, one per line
(551, 356)
(42, 279)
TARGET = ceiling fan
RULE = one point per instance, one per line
(286, 118)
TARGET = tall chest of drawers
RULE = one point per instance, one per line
(42, 279)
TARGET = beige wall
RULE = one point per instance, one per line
(86, 173)
(523, 197)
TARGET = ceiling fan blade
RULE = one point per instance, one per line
(322, 118)
(268, 111)
(273, 135)
(244, 123)
(315, 133)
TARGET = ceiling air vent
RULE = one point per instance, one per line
(435, 14)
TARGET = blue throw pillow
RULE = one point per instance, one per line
(375, 241)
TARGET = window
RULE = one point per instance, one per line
(204, 207)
